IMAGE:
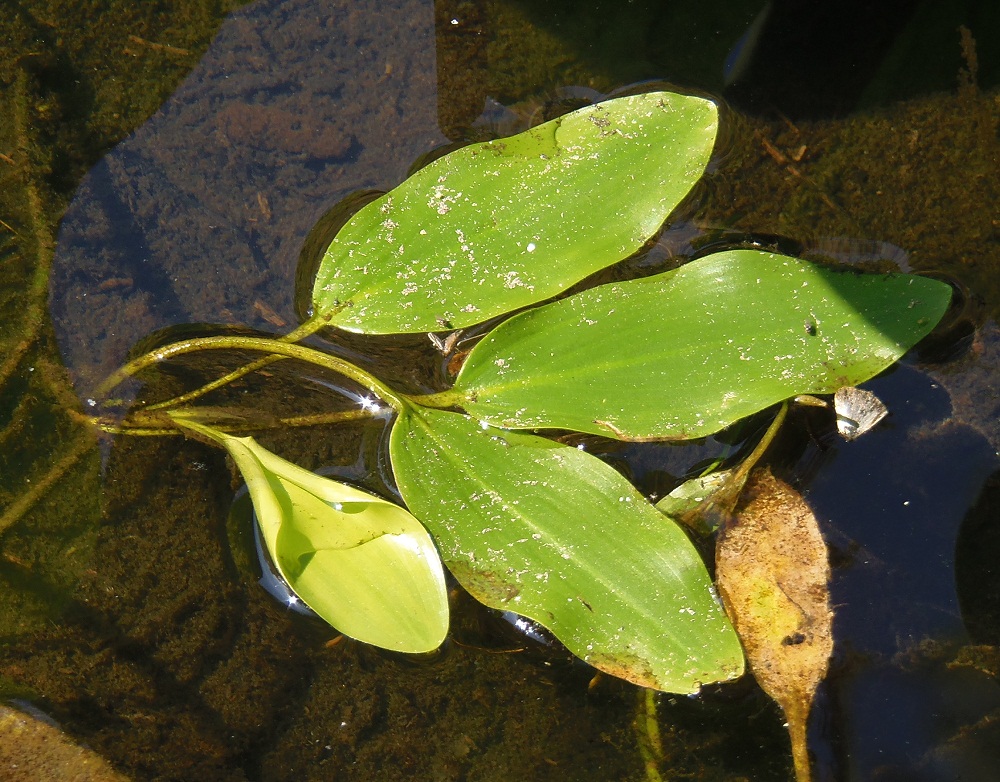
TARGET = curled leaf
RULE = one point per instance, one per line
(362, 563)
(773, 573)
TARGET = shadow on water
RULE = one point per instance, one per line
(133, 620)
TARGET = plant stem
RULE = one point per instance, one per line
(797, 718)
(26, 501)
(647, 728)
(40, 234)
(142, 425)
(712, 513)
(441, 399)
(740, 473)
(263, 345)
(304, 330)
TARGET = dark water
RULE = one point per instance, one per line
(134, 616)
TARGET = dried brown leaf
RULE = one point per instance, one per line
(773, 573)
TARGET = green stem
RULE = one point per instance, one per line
(740, 473)
(441, 399)
(712, 513)
(311, 326)
(33, 314)
(648, 729)
(145, 426)
(263, 345)
(27, 501)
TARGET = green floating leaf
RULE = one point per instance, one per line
(497, 226)
(363, 564)
(689, 352)
(552, 533)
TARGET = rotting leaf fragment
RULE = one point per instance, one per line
(773, 575)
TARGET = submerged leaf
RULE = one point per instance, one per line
(686, 502)
(689, 352)
(363, 564)
(496, 226)
(550, 532)
(773, 574)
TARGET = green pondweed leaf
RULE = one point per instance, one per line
(686, 353)
(496, 226)
(550, 532)
(364, 564)
(684, 502)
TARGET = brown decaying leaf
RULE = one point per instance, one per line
(773, 573)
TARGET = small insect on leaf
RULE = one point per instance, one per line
(857, 411)
(772, 570)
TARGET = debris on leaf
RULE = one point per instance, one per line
(773, 573)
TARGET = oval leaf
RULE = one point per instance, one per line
(689, 352)
(552, 533)
(363, 564)
(496, 226)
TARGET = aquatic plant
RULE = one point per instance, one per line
(523, 521)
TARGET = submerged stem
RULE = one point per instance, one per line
(26, 501)
(311, 326)
(647, 728)
(40, 234)
(740, 473)
(145, 426)
(263, 345)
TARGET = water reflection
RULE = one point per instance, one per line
(200, 215)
